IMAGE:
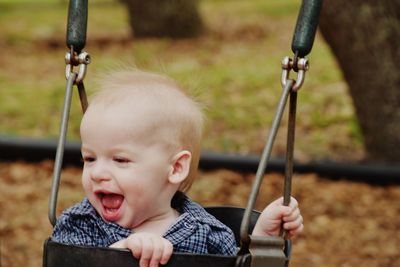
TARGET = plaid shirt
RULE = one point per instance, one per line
(195, 231)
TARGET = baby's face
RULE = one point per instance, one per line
(125, 175)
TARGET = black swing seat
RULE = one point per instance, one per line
(60, 255)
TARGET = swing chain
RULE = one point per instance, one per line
(73, 59)
(299, 65)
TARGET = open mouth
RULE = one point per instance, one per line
(111, 205)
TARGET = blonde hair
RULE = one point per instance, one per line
(178, 120)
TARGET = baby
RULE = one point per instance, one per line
(141, 146)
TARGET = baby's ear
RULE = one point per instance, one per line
(180, 167)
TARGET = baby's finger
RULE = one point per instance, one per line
(293, 225)
(167, 252)
(278, 201)
(293, 203)
(291, 215)
(135, 245)
(147, 249)
(158, 248)
(144, 262)
(119, 244)
(296, 231)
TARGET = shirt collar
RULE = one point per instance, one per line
(199, 214)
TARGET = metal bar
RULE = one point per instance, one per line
(287, 188)
(60, 149)
(287, 184)
(82, 96)
(244, 228)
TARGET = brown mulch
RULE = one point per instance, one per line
(346, 223)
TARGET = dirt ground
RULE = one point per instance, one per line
(346, 223)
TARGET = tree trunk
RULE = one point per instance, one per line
(164, 18)
(365, 37)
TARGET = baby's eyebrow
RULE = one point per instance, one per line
(85, 149)
(122, 149)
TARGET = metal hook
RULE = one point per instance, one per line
(287, 66)
(82, 60)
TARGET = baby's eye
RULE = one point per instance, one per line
(88, 159)
(121, 160)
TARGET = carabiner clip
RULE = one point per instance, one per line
(82, 61)
(287, 66)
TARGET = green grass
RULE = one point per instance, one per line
(234, 69)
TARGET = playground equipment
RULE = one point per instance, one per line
(254, 251)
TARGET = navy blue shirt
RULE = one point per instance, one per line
(195, 230)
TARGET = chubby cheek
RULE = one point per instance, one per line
(88, 189)
(86, 184)
(134, 192)
(137, 195)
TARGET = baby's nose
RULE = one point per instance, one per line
(100, 172)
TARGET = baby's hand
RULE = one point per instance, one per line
(272, 217)
(150, 249)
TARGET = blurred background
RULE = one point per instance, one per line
(228, 54)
